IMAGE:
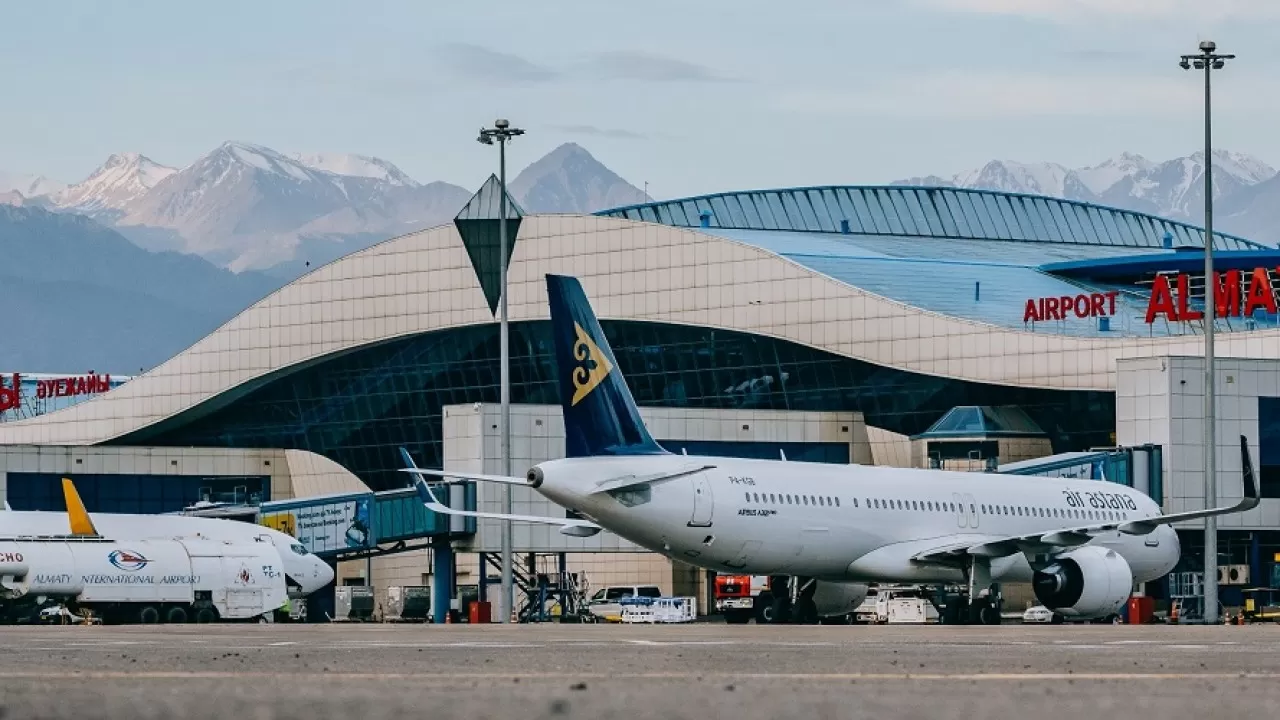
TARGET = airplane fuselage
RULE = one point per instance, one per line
(846, 523)
(305, 570)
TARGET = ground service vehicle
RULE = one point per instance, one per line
(736, 596)
(145, 581)
(606, 604)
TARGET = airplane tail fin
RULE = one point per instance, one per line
(600, 415)
(81, 523)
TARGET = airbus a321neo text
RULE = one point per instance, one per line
(827, 530)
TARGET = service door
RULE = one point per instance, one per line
(962, 517)
(972, 508)
(701, 500)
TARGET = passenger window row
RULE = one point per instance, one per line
(1010, 510)
(788, 499)
(930, 506)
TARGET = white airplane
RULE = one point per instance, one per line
(829, 529)
(305, 573)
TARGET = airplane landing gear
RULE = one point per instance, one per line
(780, 591)
(791, 601)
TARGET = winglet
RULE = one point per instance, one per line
(81, 524)
(1251, 492)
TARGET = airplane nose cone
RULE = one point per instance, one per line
(324, 574)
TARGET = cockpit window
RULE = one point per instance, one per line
(298, 549)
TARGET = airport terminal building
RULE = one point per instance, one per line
(926, 327)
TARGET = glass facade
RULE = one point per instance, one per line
(935, 212)
(828, 452)
(130, 493)
(357, 408)
(1269, 451)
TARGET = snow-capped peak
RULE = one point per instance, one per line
(350, 165)
(121, 179)
(1039, 178)
(29, 186)
(260, 158)
(1104, 175)
(1246, 168)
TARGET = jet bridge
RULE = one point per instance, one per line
(1139, 467)
(349, 526)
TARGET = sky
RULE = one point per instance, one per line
(690, 97)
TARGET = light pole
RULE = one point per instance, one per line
(503, 132)
(1208, 60)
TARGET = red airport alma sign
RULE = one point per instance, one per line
(1084, 305)
(1234, 295)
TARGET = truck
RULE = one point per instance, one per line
(142, 581)
(897, 604)
(737, 598)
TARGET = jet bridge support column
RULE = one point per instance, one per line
(443, 579)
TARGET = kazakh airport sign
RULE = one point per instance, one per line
(1236, 294)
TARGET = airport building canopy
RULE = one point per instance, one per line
(1028, 262)
(975, 421)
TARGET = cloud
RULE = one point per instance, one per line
(633, 65)
(594, 131)
(480, 63)
(1005, 94)
(1073, 11)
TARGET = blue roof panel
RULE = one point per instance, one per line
(984, 281)
(893, 210)
(984, 253)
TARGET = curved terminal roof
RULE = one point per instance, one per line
(424, 282)
(974, 254)
(900, 210)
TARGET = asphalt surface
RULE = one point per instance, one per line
(370, 672)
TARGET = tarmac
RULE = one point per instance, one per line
(702, 670)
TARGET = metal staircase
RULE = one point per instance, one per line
(544, 590)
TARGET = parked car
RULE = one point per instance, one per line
(606, 602)
(1037, 614)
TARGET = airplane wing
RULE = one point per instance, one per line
(568, 526)
(1056, 540)
(448, 476)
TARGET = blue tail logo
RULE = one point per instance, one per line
(600, 415)
(593, 366)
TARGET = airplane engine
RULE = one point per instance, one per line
(1091, 582)
(836, 599)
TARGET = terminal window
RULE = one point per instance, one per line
(1269, 450)
(829, 452)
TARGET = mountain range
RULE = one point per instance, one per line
(213, 237)
(73, 301)
(1246, 189)
(244, 206)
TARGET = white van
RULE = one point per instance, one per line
(606, 602)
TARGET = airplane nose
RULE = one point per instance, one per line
(324, 574)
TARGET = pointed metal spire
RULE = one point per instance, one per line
(477, 223)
